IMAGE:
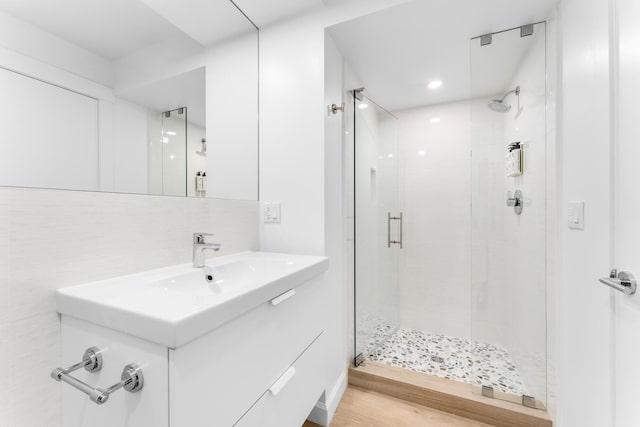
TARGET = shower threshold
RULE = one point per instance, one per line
(444, 395)
(452, 358)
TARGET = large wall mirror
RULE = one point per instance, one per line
(133, 96)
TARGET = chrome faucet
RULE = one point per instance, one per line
(199, 246)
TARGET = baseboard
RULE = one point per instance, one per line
(323, 412)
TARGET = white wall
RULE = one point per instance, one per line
(553, 208)
(292, 151)
(19, 36)
(435, 272)
(43, 127)
(130, 148)
(54, 239)
(584, 334)
(232, 120)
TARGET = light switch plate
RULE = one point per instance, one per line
(575, 215)
(272, 213)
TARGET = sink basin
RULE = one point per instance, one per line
(171, 306)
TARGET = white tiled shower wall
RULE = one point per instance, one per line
(435, 261)
(51, 239)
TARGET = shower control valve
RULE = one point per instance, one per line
(516, 201)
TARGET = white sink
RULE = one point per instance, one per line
(173, 305)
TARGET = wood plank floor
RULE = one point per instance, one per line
(444, 395)
(364, 408)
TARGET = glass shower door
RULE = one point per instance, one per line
(377, 225)
(509, 203)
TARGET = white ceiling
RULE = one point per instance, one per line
(265, 12)
(114, 29)
(206, 21)
(397, 51)
(187, 89)
(111, 29)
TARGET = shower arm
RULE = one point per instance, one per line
(516, 91)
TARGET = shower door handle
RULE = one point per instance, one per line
(389, 219)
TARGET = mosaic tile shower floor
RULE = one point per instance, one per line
(447, 357)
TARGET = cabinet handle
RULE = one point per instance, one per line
(282, 381)
(283, 297)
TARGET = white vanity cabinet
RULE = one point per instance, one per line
(261, 368)
(220, 376)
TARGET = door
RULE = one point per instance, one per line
(377, 224)
(627, 217)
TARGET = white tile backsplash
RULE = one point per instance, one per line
(51, 239)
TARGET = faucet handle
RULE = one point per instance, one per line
(199, 237)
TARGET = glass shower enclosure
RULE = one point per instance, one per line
(509, 219)
(502, 353)
(377, 225)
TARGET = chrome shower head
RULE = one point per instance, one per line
(499, 106)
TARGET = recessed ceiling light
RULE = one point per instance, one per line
(390, 155)
(435, 120)
(363, 105)
(435, 84)
(421, 152)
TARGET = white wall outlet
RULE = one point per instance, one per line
(272, 213)
(575, 215)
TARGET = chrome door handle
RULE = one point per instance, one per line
(623, 281)
(389, 241)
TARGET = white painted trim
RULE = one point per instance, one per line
(323, 412)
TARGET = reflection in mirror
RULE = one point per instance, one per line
(112, 95)
(176, 120)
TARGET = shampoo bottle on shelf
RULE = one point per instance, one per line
(199, 181)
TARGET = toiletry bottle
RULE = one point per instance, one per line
(204, 181)
(198, 181)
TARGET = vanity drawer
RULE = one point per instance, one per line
(290, 399)
(216, 378)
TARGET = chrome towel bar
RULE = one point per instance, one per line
(131, 379)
